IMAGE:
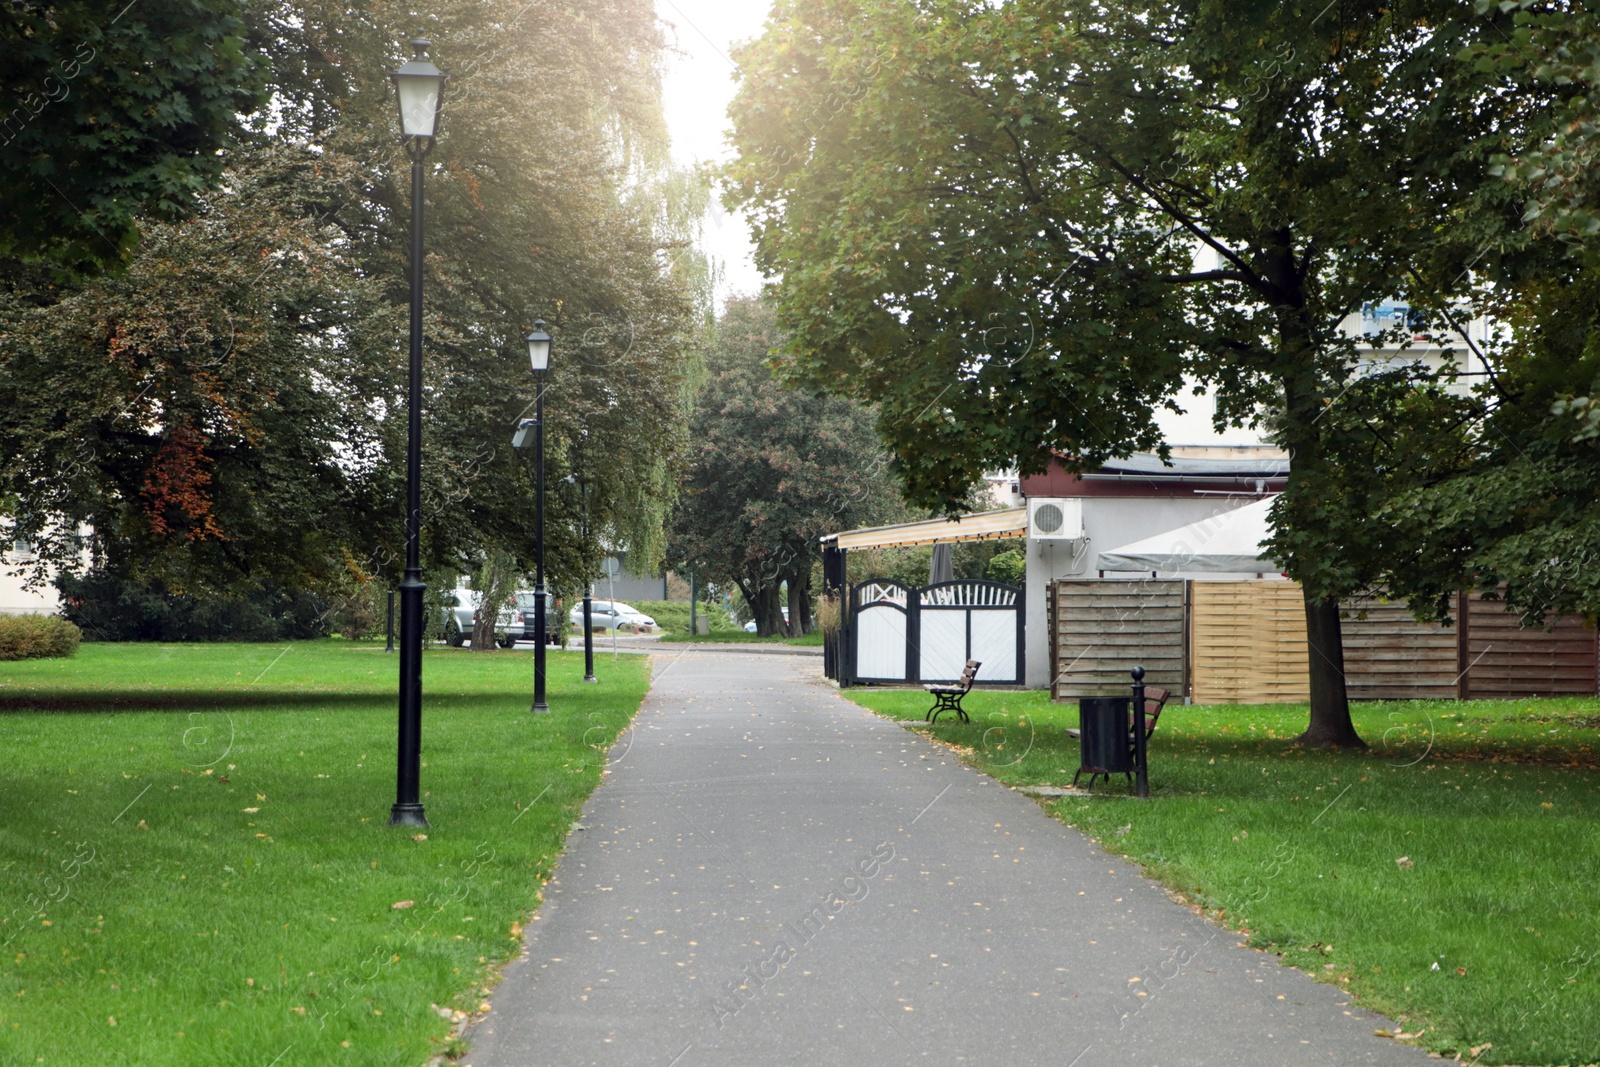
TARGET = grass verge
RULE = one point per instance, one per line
(1446, 877)
(740, 637)
(195, 866)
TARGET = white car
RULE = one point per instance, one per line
(460, 607)
(612, 615)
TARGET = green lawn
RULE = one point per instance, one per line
(1449, 877)
(194, 861)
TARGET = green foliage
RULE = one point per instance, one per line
(672, 616)
(1019, 229)
(1552, 50)
(230, 410)
(1009, 567)
(214, 816)
(109, 608)
(37, 637)
(116, 115)
(772, 469)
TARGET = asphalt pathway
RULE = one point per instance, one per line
(771, 875)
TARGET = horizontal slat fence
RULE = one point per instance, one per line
(1506, 661)
(1245, 642)
(1248, 643)
(1388, 655)
(1103, 628)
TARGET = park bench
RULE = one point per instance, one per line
(948, 697)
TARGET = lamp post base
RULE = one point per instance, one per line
(540, 708)
(591, 679)
(407, 815)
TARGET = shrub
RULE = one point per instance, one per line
(1009, 568)
(112, 608)
(37, 637)
(672, 616)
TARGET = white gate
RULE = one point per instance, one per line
(880, 613)
(899, 634)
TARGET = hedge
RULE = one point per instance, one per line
(37, 637)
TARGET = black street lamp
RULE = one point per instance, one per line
(588, 593)
(539, 343)
(420, 88)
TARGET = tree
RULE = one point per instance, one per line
(232, 405)
(772, 469)
(1510, 507)
(1019, 228)
(118, 112)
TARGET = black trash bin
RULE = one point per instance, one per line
(1103, 737)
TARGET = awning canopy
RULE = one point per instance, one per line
(1226, 543)
(982, 526)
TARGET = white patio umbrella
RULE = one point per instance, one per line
(1228, 542)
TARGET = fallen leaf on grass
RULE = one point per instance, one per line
(403, 904)
(419, 837)
(1404, 863)
(250, 811)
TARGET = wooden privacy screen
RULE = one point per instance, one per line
(1247, 643)
(1502, 660)
(1101, 629)
(1388, 655)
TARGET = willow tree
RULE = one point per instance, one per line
(232, 405)
(1019, 228)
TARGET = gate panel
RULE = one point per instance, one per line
(880, 631)
(994, 644)
(943, 655)
(881, 643)
(969, 619)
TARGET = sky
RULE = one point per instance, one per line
(697, 89)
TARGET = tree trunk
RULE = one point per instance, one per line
(772, 604)
(807, 623)
(797, 596)
(1330, 701)
(496, 581)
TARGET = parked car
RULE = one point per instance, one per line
(750, 627)
(527, 603)
(612, 615)
(460, 605)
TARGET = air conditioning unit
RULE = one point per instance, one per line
(1055, 519)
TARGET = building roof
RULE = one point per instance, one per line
(1149, 465)
(982, 526)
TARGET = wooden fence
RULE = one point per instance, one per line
(1501, 659)
(1388, 655)
(1245, 643)
(1102, 628)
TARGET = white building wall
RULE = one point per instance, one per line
(16, 600)
(1108, 524)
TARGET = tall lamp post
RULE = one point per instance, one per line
(420, 87)
(588, 595)
(538, 343)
